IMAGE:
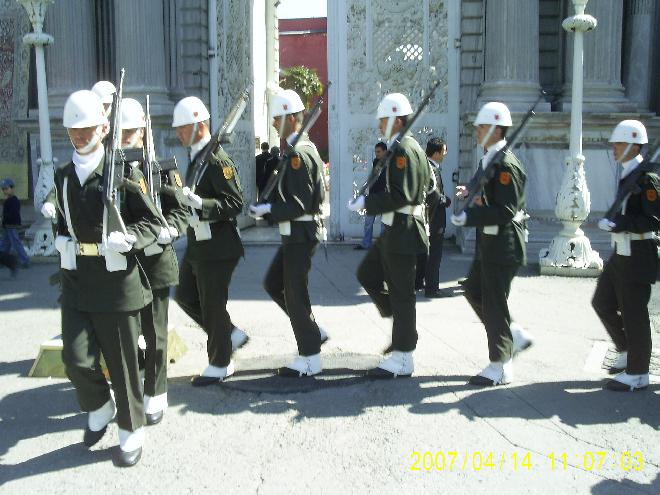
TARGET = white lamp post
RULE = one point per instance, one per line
(570, 252)
(43, 244)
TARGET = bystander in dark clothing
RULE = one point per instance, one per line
(379, 186)
(11, 222)
(261, 161)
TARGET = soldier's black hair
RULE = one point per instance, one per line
(503, 129)
(381, 145)
(264, 146)
(434, 145)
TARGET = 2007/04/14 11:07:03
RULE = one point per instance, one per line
(478, 461)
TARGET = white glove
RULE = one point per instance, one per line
(164, 236)
(192, 199)
(461, 192)
(48, 210)
(258, 211)
(356, 204)
(606, 225)
(174, 233)
(120, 242)
(61, 242)
(459, 220)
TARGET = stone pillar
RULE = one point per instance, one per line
(639, 16)
(512, 66)
(71, 61)
(603, 91)
(140, 49)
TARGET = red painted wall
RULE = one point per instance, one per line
(306, 44)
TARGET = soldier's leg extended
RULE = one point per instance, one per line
(637, 326)
(154, 328)
(81, 354)
(606, 304)
(400, 270)
(274, 280)
(473, 288)
(496, 285)
(213, 278)
(371, 276)
(297, 260)
(187, 295)
(117, 335)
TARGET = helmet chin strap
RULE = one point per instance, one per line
(89, 147)
(486, 138)
(191, 141)
(283, 127)
(625, 153)
(389, 126)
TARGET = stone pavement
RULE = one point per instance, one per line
(553, 430)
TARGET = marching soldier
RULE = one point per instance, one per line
(392, 258)
(160, 263)
(296, 207)
(103, 286)
(500, 249)
(624, 288)
(215, 198)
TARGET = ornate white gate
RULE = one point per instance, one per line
(377, 47)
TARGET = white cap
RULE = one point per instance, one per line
(104, 90)
(83, 109)
(189, 110)
(494, 113)
(132, 114)
(285, 102)
(394, 105)
(629, 131)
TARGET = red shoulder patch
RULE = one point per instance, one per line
(505, 178)
(651, 195)
(401, 162)
(295, 162)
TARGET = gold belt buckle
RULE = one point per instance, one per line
(88, 249)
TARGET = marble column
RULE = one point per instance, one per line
(512, 54)
(639, 15)
(603, 91)
(71, 61)
(140, 49)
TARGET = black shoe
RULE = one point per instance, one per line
(359, 247)
(91, 438)
(481, 381)
(155, 418)
(381, 373)
(127, 459)
(204, 381)
(617, 386)
(437, 294)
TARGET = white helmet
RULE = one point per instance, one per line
(83, 109)
(494, 113)
(285, 102)
(394, 105)
(104, 90)
(629, 131)
(132, 114)
(189, 110)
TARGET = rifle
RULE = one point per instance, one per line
(630, 183)
(113, 165)
(152, 168)
(481, 176)
(309, 121)
(223, 134)
(384, 161)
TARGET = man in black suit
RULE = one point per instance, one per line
(261, 160)
(380, 185)
(428, 266)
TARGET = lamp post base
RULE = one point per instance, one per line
(570, 254)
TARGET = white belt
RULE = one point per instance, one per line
(621, 240)
(495, 229)
(414, 210)
(305, 218)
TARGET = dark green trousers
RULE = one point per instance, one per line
(286, 283)
(398, 301)
(154, 328)
(202, 293)
(487, 289)
(622, 306)
(85, 336)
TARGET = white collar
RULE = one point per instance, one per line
(199, 145)
(433, 162)
(491, 151)
(86, 164)
(631, 165)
